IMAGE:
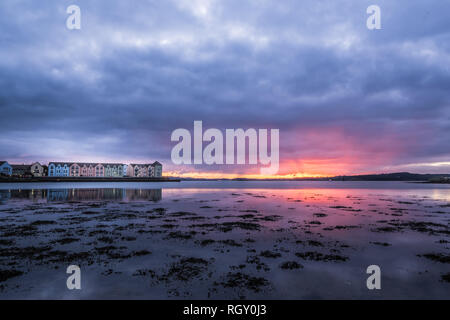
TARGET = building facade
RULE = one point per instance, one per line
(113, 169)
(21, 170)
(5, 168)
(157, 169)
(145, 170)
(82, 169)
(59, 169)
(87, 169)
(37, 170)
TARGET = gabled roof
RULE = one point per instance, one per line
(156, 163)
(61, 163)
(3, 162)
(21, 166)
(140, 164)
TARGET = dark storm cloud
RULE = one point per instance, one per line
(139, 69)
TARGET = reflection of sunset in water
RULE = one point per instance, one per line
(331, 232)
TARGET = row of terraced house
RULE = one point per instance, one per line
(82, 169)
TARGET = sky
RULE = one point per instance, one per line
(346, 99)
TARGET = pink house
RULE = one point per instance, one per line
(86, 170)
(74, 170)
(99, 170)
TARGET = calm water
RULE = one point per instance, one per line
(225, 239)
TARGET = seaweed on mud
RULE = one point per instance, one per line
(231, 242)
(8, 274)
(96, 232)
(256, 261)
(438, 257)
(90, 212)
(128, 238)
(313, 243)
(270, 254)
(42, 222)
(445, 277)
(140, 253)
(244, 281)
(185, 269)
(228, 226)
(246, 216)
(144, 273)
(168, 226)
(271, 218)
(66, 240)
(383, 244)
(423, 226)
(20, 231)
(206, 242)
(346, 208)
(106, 239)
(317, 256)
(386, 229)
(181, 214)
(180, 235)
(24, 252)
(320, 215)
(290, 265)
(340, 227)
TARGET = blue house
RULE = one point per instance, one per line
(58, 169)
(5, 168)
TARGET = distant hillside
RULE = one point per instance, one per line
(397, 176)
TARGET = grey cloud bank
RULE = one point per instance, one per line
(139, 69)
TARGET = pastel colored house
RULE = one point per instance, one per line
(113, 169)
(87, 169)
(74, 170)
(157, 169)
(5, 168)
(21, 170)
(59, 169)
(99, 170)
(145, 170)
(137, 170)
(37, 170)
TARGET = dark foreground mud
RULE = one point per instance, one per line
(228, 244)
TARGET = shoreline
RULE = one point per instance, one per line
(87, 179)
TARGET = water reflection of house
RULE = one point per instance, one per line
(144, 194)
(33, 194)
(96, 194)
(108, 194)
(5, 195)
(57, 194)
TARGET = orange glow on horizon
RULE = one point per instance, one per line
(217, 175)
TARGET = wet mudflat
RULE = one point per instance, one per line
(227, 244)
